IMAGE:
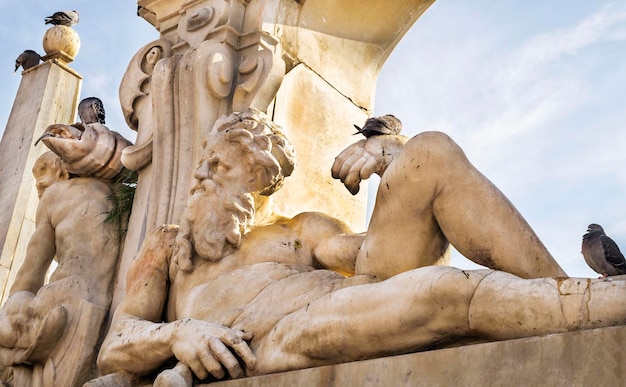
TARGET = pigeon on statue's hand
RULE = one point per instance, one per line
(376, 126)
(602, 253)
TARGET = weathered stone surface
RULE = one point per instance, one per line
(318, 133)
(62, 43)
(584, 358)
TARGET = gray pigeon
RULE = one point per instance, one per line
(27, 59)
(376, 126)
(63, 18)
(601, 252)
(90, 110)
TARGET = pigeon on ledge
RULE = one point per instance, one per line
(601, 253)
(27, 59)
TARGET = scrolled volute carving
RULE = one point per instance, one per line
(198, 23)
(136, 80)
(215, 64)
(261, 72)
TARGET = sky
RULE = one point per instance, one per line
(533, 91)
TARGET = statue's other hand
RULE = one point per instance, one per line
(363, 158)
(208, 348)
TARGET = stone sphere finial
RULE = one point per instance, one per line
(62, 43)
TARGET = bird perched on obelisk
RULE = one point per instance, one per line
(375, 126)
(27, 59)
(63, 18)
(602, 253)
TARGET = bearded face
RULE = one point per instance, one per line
(217, 219)
(238, 162)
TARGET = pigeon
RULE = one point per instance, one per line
(376, 126)
(63, 18)
(27, 59)
(91, 110)
(601, 252)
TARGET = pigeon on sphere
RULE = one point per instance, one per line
(63, 18)
(601, 253)
(375, 126)
(27, 59)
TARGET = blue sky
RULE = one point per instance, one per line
(534, 92)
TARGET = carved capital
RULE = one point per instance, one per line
(260, 73)
(202, 20)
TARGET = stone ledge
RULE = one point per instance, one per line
(591, 357)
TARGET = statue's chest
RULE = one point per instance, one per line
(274, 244)
(222, 298)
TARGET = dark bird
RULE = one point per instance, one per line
(90, 110)
(63, 18)
(376, 126)
(27, 59)
(601, 252)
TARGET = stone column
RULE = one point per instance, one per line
(48, 94)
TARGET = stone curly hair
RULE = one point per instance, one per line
(266, 146)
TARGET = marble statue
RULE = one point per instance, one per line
(49, 334)
(238, 290)
(50, 329)
(226, 270)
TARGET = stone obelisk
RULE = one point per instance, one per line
(48, 94)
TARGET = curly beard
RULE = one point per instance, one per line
(217, 219)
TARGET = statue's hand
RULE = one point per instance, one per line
(35, 337)
(208, 348)
(365, 157)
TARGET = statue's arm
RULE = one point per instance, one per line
(136, 323)
(39, 253)
(365, 157)
(139, 341)
(332, 243)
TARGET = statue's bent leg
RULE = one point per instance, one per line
(432, 194)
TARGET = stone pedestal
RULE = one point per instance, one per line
(48, 94)
(584, 358)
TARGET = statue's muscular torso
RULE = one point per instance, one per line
(273, 274)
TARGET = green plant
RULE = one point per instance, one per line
(122, 199)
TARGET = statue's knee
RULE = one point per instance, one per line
(434, 144)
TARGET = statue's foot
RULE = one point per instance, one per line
(117, 379)
(13, 315)
(179, 376)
